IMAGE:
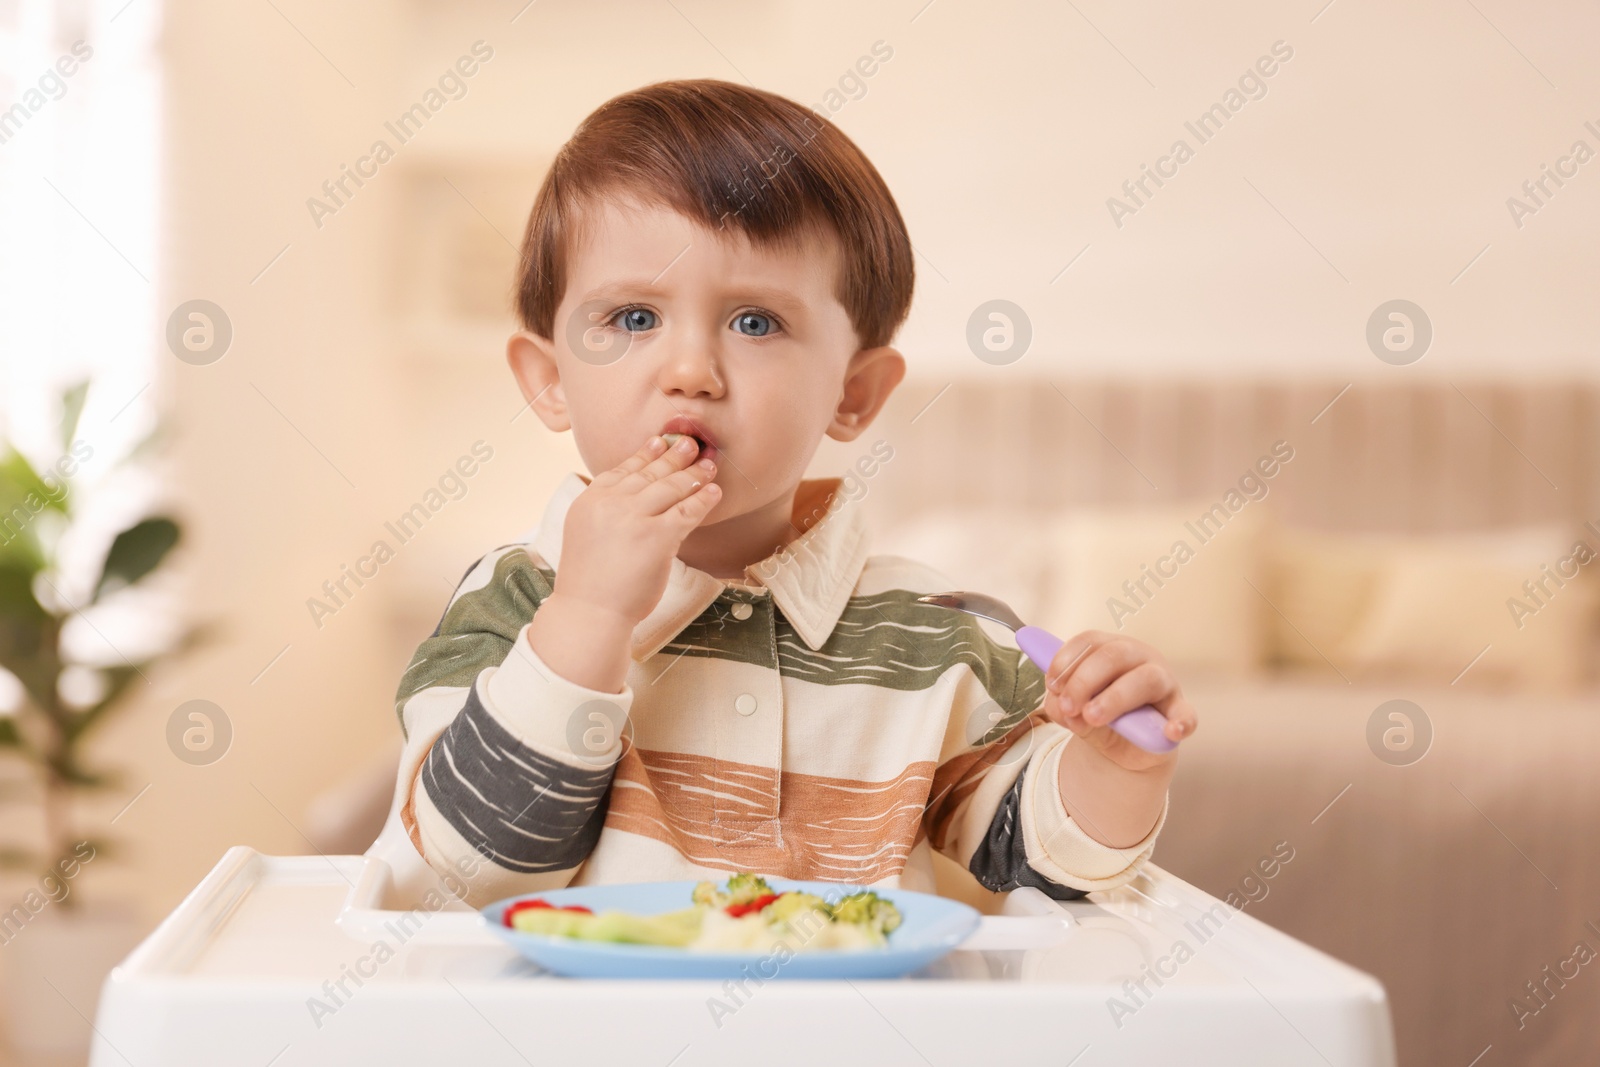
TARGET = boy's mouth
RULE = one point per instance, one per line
(685, 425)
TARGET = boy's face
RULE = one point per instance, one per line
(664, 318)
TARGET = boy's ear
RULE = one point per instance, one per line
(533, 363)
(871, 377)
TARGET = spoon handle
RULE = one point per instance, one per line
(1142, 726)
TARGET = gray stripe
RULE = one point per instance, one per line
(523, 810)
(1001, 861)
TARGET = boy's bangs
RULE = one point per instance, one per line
(732, 159)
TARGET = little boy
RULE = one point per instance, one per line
(693, 666)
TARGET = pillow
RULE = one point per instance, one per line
(1161, 575)
(1320, 586)
(1425, 606)
(1440, 605)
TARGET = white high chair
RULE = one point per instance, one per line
(323, 961)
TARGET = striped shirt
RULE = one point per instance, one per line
(811, 721)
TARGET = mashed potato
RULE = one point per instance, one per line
(721, 932)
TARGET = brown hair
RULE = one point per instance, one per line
(725, 155)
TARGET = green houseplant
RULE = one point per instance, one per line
(49, 731)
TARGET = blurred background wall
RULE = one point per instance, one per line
(1374, 164)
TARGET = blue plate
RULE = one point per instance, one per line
(930, 926)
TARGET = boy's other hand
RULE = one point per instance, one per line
(1095, 677)
(623, 531)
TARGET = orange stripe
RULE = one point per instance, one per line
(961, 775)
(828, 829)
(408, 814)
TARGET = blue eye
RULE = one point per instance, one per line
(759, 325)
(636, 319)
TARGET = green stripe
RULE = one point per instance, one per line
(886, 639)
(478, 629)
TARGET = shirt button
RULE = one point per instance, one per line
(741, 611)
(745, 704)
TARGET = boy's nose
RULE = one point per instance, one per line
(691, 367)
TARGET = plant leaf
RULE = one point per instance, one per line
(28, 636)
(19, 481)
(21, 537)
(16, 593)
(71, 409)
(136, 552)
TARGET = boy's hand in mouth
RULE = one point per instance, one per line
(618, 543)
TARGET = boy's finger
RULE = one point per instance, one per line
(699, 502)
(677, 487)
(1182, 721)
(652, 448)
(1071, 718)
(1067, 658)
(678, 454)
(1098, 670)
(1071, 653)
(1146, 683)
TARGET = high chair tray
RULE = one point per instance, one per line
(298, 961)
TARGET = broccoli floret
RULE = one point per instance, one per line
(868, 909)
(789, 907)
(744, 887)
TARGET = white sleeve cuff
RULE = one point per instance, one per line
(1057, 847)
(547, 712)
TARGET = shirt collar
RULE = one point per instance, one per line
(811, 578)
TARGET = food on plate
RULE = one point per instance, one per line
(676, 928)
(745, 914)
(868, 909)
(743, 889)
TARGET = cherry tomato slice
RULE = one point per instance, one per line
(755, 905)
(524, 905)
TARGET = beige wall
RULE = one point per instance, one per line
(1390, 142)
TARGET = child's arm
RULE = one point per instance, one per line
(996, 803)
(514, 709)
(1113, 788)
(507, 762)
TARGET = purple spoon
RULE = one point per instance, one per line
(1142, 725)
